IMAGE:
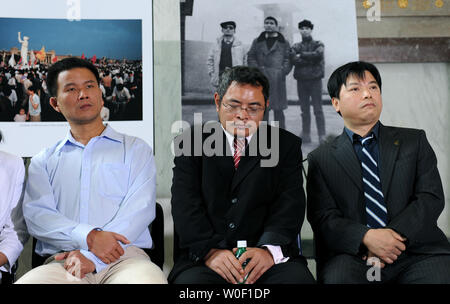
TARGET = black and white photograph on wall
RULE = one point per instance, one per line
(297, 45)
(115, 37)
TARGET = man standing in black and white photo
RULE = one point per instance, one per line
(227, 52)
(270, 53)
(308, 58)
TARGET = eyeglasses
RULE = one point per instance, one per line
(228, 27)
(235, 109)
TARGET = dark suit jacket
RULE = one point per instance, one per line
(410, 183)
(214, 205)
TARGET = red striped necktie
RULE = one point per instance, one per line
(239, 147)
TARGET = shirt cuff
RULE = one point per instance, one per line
(5, 268)
(277, 254)
(12, 254)
(80, 233)
(99, 265)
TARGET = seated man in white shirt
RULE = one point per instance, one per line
(90, 198)
(13, 232)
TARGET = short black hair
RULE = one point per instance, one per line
(243, 75)
(305, 23)
(65, 65)
(357, 68)
(272, 18)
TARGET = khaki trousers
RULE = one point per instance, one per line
(35, 117)
(134, 267)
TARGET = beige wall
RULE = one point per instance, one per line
(421, 18)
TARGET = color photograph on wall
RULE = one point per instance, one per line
(30, 46)
(115, 38)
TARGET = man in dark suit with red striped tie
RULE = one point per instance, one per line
(374, 193)
(238, 179)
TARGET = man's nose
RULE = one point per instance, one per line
(243, 114)
(366, 92)
(82, 94)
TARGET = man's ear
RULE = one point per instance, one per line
(54, 104)
(217, 101)
(335, 103)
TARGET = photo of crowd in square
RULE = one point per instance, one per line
(24, 96)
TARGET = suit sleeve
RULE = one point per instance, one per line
(286, 214)
(191, 220)
(427, 200)
(340, 234)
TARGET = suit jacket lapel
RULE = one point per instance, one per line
(224, 162)
(389, 146)
(346, 157)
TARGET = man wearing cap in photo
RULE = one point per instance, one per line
(270, 53)
(227, 52)
(308, 58)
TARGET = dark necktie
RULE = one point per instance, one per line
(239, 146)
(375, 206)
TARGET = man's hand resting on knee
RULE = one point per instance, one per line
(225, 264)
(105, 245)
(76, 263)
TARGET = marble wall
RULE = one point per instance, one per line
(416, 95)
(167, 86)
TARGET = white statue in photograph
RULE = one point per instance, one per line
(24, 50)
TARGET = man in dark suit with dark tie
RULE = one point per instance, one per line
(374, 193)
(235, 180)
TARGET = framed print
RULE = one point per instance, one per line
(204, 24)
(116, 36)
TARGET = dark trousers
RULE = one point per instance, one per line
(310, 93)
(290, 272)
(408, 269)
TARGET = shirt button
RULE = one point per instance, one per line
(234, 200)
(231, 225)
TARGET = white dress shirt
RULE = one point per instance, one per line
(13, 232)
(72, 189)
